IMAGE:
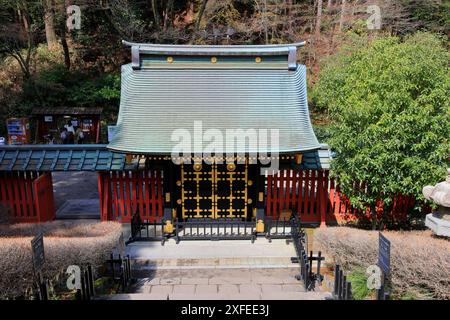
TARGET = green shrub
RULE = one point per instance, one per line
(358, 278)
(390, 113)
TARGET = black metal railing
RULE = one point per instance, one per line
(307, 275)
(86, 291)
(215, 229)
(146, 230)
(342, 288)
(120, 269)
(278, 229)
(44, 287)
(41, 288)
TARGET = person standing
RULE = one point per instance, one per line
(70, 128)
(79, 136)
(63, 136)
(70, 132)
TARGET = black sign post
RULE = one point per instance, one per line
(37, 250)
(384, 262)
(38, 257)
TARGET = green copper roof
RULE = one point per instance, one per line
(95, 157)
(56, 157)
(162, 93)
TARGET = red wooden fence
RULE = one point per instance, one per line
(122, 193)
(28, 196)
(44, 202)
(317, 198)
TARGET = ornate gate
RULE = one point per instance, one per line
(214, 191)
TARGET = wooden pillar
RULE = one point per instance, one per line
(323, 197)
(43, 197)
(104, 193)
(97, 136)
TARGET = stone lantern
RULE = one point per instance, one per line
(439, 220)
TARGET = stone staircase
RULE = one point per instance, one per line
(219, 270)
(222, 284)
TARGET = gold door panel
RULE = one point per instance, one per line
(214, 191)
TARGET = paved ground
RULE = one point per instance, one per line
(216, 270)
(222, 284)
(76, 195)
(211, 249)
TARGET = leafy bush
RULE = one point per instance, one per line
(388, 103)
(420, 263)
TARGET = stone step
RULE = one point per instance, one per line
(210, 249)
(216, 276)
(221, 296)
(208, 263)
(222, 284)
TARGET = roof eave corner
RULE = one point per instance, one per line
(292, 58)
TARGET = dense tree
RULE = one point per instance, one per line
(28, 27)
(17, 33)
(390, 112)
(49, 21)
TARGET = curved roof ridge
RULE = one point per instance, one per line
(174, 46)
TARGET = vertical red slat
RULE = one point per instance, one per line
(306, 195)
(44, 199)
(337, 205)
(160, 194)
(313, 194)
(326, 190)
(141, 192)
(153, 190)
(281, 190)
(3, 188)
(134, 192)
(37, 202)
(294, 189)
(288, 189)
(23, 200)
(19, 212)
(121, 194)
(331, 196)
(275, 195)
(299, 191)
(108, 203)
(319, 195)
(104, 197)
(128, 196)
(148, 192)
(115, 205)
(322, 198)
(29, 192)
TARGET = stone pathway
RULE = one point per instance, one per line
(219, 270)
(221, 284)
(76, 195)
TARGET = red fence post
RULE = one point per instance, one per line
(43, 198)
(105, 198)
(323, 185)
